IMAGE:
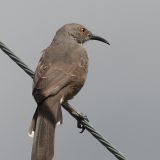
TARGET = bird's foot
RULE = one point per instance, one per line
(80, 118)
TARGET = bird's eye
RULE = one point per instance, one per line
(82, 30)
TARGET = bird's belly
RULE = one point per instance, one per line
(72, 91)
(74, 87)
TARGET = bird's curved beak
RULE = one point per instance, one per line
(98, 38)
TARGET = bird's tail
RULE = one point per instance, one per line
(47, 114)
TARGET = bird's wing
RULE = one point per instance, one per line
(52, 74)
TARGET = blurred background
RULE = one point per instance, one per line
(121, 95)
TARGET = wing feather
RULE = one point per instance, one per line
(52, 74)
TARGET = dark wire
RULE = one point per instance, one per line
(83, 122)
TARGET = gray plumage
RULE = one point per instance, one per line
(59, 76)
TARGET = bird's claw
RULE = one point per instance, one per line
(79, 125)
(79, 122)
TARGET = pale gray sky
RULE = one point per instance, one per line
(122, 93)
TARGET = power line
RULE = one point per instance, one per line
(82, 120)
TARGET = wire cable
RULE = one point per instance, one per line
(79, 117)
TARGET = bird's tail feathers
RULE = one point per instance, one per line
(43, 124)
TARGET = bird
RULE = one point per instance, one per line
(59, 76)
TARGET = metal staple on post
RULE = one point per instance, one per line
(84, 122)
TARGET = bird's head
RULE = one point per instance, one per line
(77, 32)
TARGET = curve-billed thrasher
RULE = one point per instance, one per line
(60, 74)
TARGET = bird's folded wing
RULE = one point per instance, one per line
(50, 79)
